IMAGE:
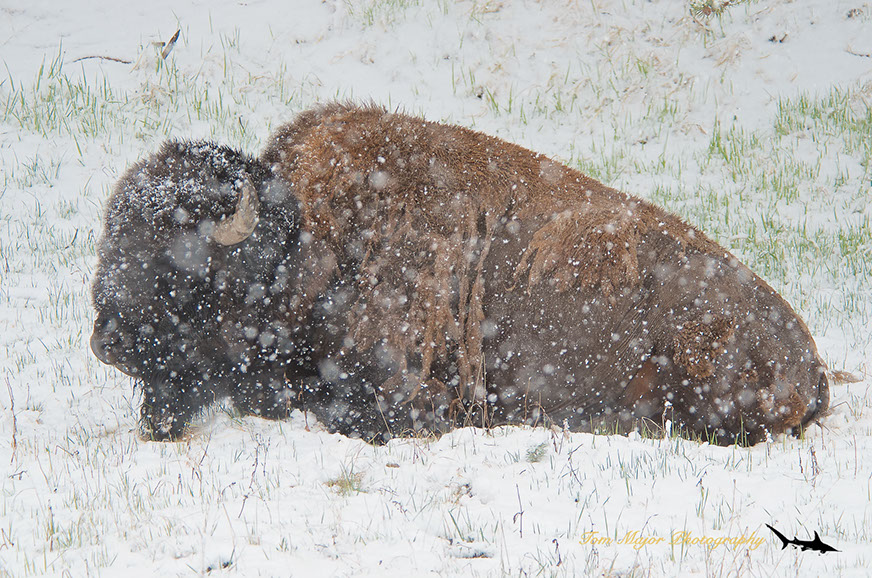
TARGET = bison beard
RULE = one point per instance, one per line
(393, 275)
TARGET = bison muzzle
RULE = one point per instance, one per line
(393, 275)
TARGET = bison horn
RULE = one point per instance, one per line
(237, 227)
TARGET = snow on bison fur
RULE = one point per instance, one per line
(393, 275)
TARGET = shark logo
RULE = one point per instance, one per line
(817, 544)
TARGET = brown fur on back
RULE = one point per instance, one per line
(412, 206)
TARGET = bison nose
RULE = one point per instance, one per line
(104, 339)
(100, 349)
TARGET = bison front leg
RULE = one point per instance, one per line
(345, 402)
(263, 395)
(168, 408)
(363, 396)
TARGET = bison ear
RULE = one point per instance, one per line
(240, 225)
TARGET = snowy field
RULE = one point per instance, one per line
(750, 119)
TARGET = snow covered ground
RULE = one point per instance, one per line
(750, 119)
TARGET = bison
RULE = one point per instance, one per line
(393, 275)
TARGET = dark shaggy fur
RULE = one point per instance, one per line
(440, 277)
(184, 316)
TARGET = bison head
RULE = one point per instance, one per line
(188, 288)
